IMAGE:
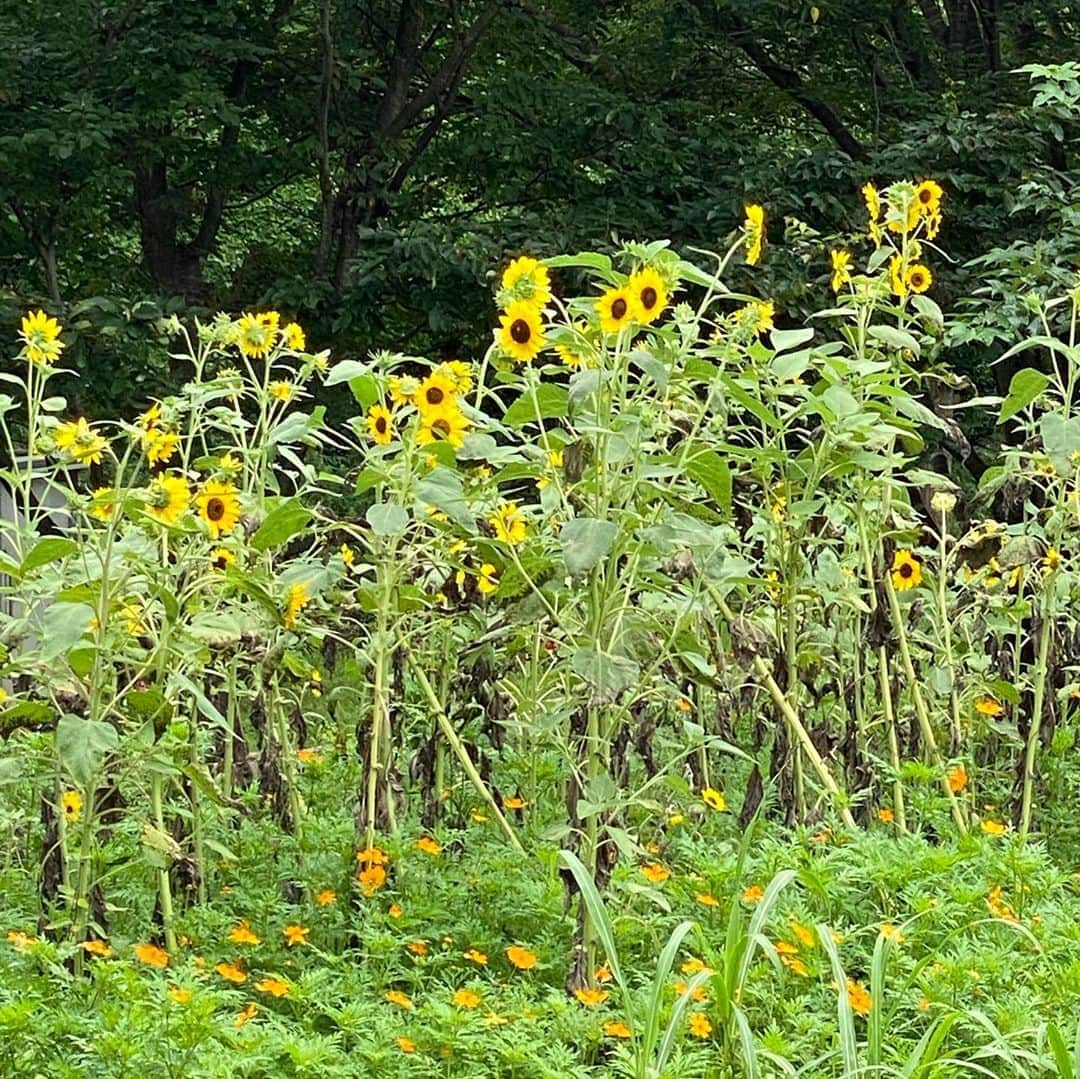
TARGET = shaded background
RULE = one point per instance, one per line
(365, 167)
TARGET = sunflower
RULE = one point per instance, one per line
(380, 425)
(79, 442)
(41, 337)
(459, 372)
(450, 425)
(160, 445)
(509, 523)
(402, 388)
(928, 197)
(919, 278)
(754, 232)
(103, 504)
(168, 499)
(257, 333)
(221, 558)
(906, 571)
(841, 269)
(525, 279)
(616, 309)
(873, 211)
(897, 279)
(486, 579)
(294, 337)
(218, 504)
(282, 391)
(650, 294)
(296, 599)
(574, 355)
(521, 331)
(71, 803)
(436, 395)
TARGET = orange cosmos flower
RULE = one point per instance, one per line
(476, 957)
(706, 900)
(655, 873)
(615, 1029)
(466, 998)
(754, 893)
(178, 995)
(859, 999)
(395, 996)
(97, 947)
(428, 845)
(274, 986)
(152, 955)
(521, 958)
(700, 1026)
(591, 997)
(242, 934)
(515, 801)
(418, 947)
(296, 934)
(958, 779)
(406, 1045)
(231, 972)
(325, 897)
(246, 1016)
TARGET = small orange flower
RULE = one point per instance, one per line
(754, 893)
(693, 965)
(308, 756)
(700, 1026)
(859, 999)
(231, 972)
(698, 995)
(371, 879)
(372, 856)
(785, 947)
(478, 817)
(885, 815)
(242, 934)
(406, 1045)
(521, 958)
(958, 779)
(325, 897)
(466, 998)
(603, 974)
(891, 932)
(296, 934)
(178, 994)
(97, 947)
(418, 947)
(515, 801)
(274, 986)
(655, 873)
(428, 845)
(395, 996)
(615, 1029)
(152, 955)
(993, 827)
(795, 965)
(706, 900)
(476, 957)
(988, 706)
(591, 997)
(395, 910)
(684, 705)
(20, 940)
(804, 936)
(246, 1016)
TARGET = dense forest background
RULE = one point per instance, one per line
(365, 166)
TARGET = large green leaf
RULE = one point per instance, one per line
(281, 524)
(81, 745)
(585, 541)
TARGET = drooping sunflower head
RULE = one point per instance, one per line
(257, 333)
(167, 499)
(576, 350)
(40, 336)
(650, 294)
(754, 232)
(218, 506)
(525, 279)
(451, 425)
(903, 208)
(906, 571)
(380, 425)
(402, 388)
(283, 391)
(521, 331)
(919, 278)
(617, 309)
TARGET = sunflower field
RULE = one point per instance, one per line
(642, 697)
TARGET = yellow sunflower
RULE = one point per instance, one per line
(296, 599)
(380, 425)
(754, 233)
(103, 504)
(218, 504)
(521, 331)
(257, 334)
(527, 280)
(906, 571)
(294, 337)
(282, 391)
(841, 269)
(436, 395)
(167, 499)
(928, 197)
(509, 523)
(873, 210)
(650, 295)
(616, 309)
(41, 337)
(160, 445)
(459, 372)
(79, 442)
(897, 277)
(71, 803)
(919, 278)
(450, 425)
(487, 580)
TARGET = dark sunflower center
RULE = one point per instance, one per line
(434, 396)
(618, 309)
(380, 425)
(648, 297)
(905, 570)
(520, 331)
(215, 509)
(925, 196)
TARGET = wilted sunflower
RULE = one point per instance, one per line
(79, 442)
(450, 425)
(257, 334)
(218, 504)
(841, 269)
(380, 425)
(919, 278)
(754, 233)
(41, 337)
(521, 331)
(167, 499)
(616, 308)
(650, 294)
(906, 571)
(527, 280)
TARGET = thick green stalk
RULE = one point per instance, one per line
(164, 884)
(1035, 720)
